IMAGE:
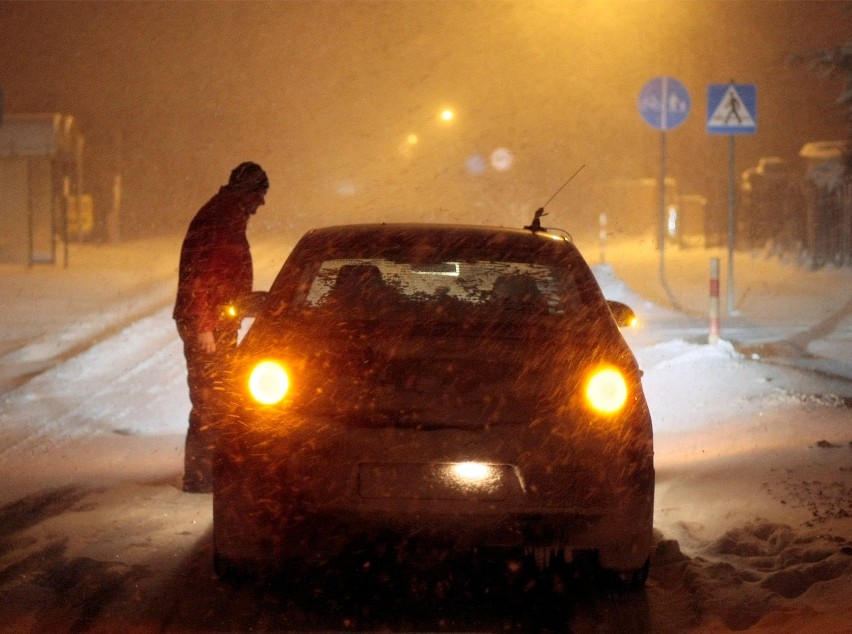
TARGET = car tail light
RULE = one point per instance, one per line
(268, 382)
(606, 390)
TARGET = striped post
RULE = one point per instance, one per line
(714, 301)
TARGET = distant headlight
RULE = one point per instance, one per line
(268, 382)
(606, 390)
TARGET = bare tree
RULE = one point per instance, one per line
(831, 62)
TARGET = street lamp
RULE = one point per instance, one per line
(444, 116)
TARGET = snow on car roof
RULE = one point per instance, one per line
(400, 237)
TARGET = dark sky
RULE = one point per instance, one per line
(324, 94)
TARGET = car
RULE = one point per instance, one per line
(467, 385)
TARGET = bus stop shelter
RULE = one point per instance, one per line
(40, 178)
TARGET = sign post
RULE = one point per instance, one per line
(731, 110)
(663, 103)
(713, 336)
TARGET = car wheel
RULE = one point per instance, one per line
(222, 567)
(226, 570)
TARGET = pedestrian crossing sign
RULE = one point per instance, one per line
(731, 109)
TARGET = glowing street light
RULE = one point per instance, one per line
(406, 147)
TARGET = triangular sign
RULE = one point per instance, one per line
(731, 113)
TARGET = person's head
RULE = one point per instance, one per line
(250, 179)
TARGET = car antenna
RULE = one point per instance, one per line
(535, 225)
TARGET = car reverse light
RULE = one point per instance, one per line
(606, 390)
(268, 382)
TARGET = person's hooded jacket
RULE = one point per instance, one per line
(215, 263)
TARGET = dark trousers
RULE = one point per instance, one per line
(205, 377)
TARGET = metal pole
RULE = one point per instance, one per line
(713, 336)
(661, 231)
(66, 198)
(731, 224)
(661, 219)
(664, 123)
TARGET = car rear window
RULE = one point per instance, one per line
(375, 288)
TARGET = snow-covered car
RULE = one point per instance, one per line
(462, 384)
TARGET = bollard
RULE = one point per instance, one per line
(713, 337)
(602, 234)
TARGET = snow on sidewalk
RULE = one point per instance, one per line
(52, 312)
(782, 309)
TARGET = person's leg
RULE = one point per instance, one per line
(204, 377)
(199, 379)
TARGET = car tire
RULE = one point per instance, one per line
(223, 567)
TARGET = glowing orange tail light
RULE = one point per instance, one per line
(268, 382)
(606, 390)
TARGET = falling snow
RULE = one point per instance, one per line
(753, 452)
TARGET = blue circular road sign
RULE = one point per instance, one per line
(664, 103)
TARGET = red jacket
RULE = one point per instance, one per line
(215, 263)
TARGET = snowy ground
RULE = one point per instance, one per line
(753, 452)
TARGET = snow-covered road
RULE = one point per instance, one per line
(754, 463)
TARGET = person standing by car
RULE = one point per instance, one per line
(215, 271)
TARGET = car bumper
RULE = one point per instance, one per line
(622, 538)
(262, 518)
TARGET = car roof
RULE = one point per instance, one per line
(379, 236)
(421, 228)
